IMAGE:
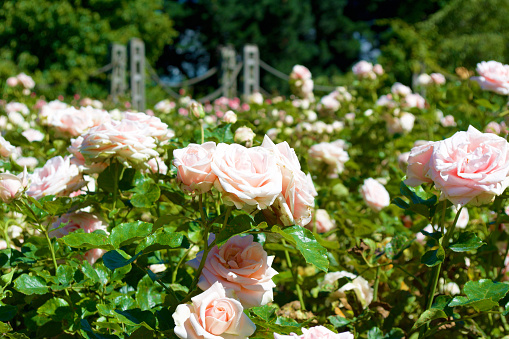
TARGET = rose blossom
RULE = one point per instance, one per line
(400, 89)
(424, 80)
(12, 186)
(26, 80)
(157, 129)
(375, 195)
(247, 176)
(418, 164)
(33, 135)
(378, 69)
(128, 141)
(493, 76)
(58, 176)
(79, 160)
(241, 265)
(300, 72)
(386, 101)
(157, 165)
(193, 164)
(296, 201)
(438, 78)
(322, 221)
(448, 121)
(414, 100)
(244, 135)
(30, 162)
(12, 82)
(332, 153)
(328, 104)
(17, 107)
(317, 332)
(363, 69)
(79, 220)
(496, 128)
(211, 315)
(6, 149)
(74, 122)
(230, 117)
(358, 284)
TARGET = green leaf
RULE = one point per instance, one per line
(148, 294)
(7, 312)
(113, 259)
(137, 317)
(161, 239)
(222, 133)
(467, 241)
(305, 242)
(483, 295)
(125, 234)
(145, 195)
(89, 271)
(338, 321)
(265, 312)
(4, 328)
(429, 315)
(480, 305)
(375, 333)
(57, 206)
(80, 239)
(111, 175)
(65, 274)
(433, 257)
(27, 284)
(485, 103)
(240, 224)
(56, 308)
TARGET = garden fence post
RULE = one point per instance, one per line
(137, 61)
(228, 64)
(251, 70)
(119, 64)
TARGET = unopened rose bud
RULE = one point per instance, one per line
(230, 117)
(12, 186)
(197, 110)
(244, 135)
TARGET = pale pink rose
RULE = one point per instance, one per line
(3, 244)
(317, 332)
(75, 122)
(241, 265)
(424, 80)
(414, 100)
(386, 101)
(322, 221)
(57, 177)
(193, 164)
(128, 141)
(212, 315)
(165, 106)
(363, 69)
(29, 162)
(403, 160)
(12, 186)
(298, 191)
(332, 153)
(375, 195)
(438, 78)
(157, 165)
(493, 76)
(358, 284)
(93, 255)
(300, 72)
(470, 167)
(33, 135)
(448, 121)
(307, 87)
(400, 89)
(26, 80)
(247, 177)
(157, 128)
(17, 107)
(256, 98)
(6, 149)
(230, 117)
(328, 104)
(157, 268)
(47, 110)
(79, 160)
(496, 128)
(17, 119)
(12, 81)
(378, 69)
(244, 135)
(418, 164)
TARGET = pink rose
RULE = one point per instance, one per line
(400, 89)
(363, 69)
(58, 176)
(74, 122)
(165, 106)
(17, 107)
(378, 69)
(212, 315)
(414, 100)
(328, 104)
(247, 177)
(157, 165)
(322, 221)
(12, 186)
(438, 78)
(418, 164)
(470, 167)
(193, 164)
(29, 162)
(157, 129)
(79, 160)
(298, 192)
(424, 80)
(26, 80)
(332, 153)
(242, 266)
(357, 284)
(386, 101)
(33, 135)
(375, 195)
(317, 332)
(244, 135)
(6, 149)
(496, 128)
(300, 72)
(493, 76)
(128, 141)
(230, 117)
(448, 121)
(12, 82)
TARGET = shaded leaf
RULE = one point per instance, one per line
(127, 233)
(113, 259)
(145, 194)
(429, 315)
(467, 241)
(27, 284)
(433, 257)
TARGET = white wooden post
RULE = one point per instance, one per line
(228, 64)
(251, 70)
(119, 64)
(137, 56)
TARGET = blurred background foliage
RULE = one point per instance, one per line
(63, 42)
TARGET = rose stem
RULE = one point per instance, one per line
(297, 286)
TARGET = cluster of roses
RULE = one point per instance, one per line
(301, 82)
(469, 167)
(22, 80)
(331, 102)
(267, 177)
(366, 70)
(493, 76)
